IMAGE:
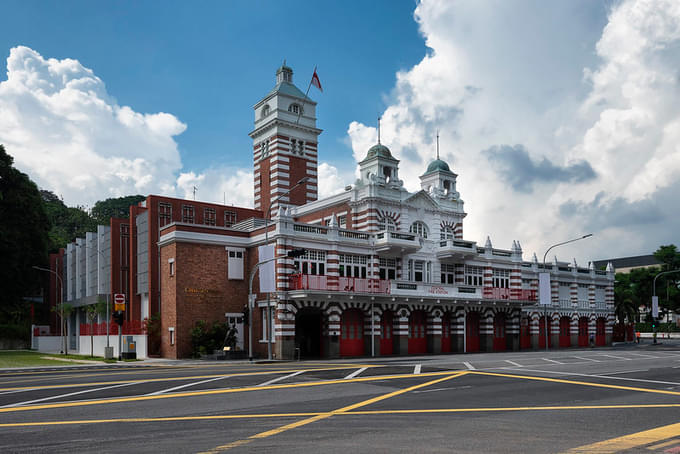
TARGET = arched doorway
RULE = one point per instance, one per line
(446, 333)
(472, 332)
(541, 332)
(499, 340)
(565, 332)
(416, 333)
(583, 331)
(352, 333)
(386, 341)
(308, 329)
(524, 333)
(600, 339)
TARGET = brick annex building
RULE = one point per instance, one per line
(385, 271)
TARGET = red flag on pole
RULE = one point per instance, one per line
(315, 81)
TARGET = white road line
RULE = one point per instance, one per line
(616, 357)
(588, 359)
(552, 361)
(18, 404)
(469, 366)
(441, 389)
(602, 376)
(513, 363)
(277, 379)
(416, 370)
(626, 372)
(355, 373)
(644, 356)
(175, 388)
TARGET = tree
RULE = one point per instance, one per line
(625, 305)
(118, 207)
(93, 311)
(63, 311)
(23, 240)
(66, 223)
(667, 285)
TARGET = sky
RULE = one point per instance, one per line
(560, 118)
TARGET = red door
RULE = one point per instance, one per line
(583, 332)
(416, 333)
(499, 341)
(351, 329)
(386, 343)
(599, 332)
(472, 332)
(446, 333)
(524, 334)
(565, 332)
(541, 332)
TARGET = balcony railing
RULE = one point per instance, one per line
(344, 284)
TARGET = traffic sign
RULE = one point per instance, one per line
(119, 301)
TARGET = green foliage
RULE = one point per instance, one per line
(646, 327)
(207, 338)
(23, 240)
(118, 207)
(15, 331)
(66, 223)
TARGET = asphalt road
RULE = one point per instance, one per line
(621, 399)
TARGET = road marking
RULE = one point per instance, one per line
(583, 383)
(162, 391)
(664, 444)
(416, 370)
(625, 372)
(278, 379)
(552, 361)
(604, 376)
(355, 373)
(469, 366)
(588, 359)
(153, 380)
(513, 363)
(630, 441)
(64, 395)
(342, 410)
(441, 389)
(644, 356)
(616, 357)
(348, 413)
(220, 391)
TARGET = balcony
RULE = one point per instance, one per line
(497, 293)
(388, 242)
(343, 285)
(456, 249)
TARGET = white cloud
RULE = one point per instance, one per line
(568, 83)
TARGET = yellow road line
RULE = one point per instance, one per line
(217, 391)
(631, 441)
(349, 413)
(153, 380)
(584, 383)
(339, 411)
(664, 444)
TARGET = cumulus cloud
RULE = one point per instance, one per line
(520, 171)
(591, 95)
(71, 136)
(330, 181)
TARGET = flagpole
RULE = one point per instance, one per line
(305, 98)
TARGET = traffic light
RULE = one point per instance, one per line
(119, 317)
(296, 253)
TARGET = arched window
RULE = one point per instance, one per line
(419, 228)
(387, 223)
(295, 108)
(265, 111)
(446, 233)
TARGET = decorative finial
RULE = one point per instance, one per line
(437, 144)
(378, 130)
(284, 62)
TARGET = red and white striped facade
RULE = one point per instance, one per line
(387, 271)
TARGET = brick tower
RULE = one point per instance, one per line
(285, 143)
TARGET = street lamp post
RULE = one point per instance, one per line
(266, 242)
(545, 309)
(654, 295)
(61, 305)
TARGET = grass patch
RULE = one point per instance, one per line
(28, 358)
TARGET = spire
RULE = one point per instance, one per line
(534, 259)
(378, 130)
(488, 244)
(437, 143)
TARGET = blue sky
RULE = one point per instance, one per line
(560, 118)
(207, 63)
